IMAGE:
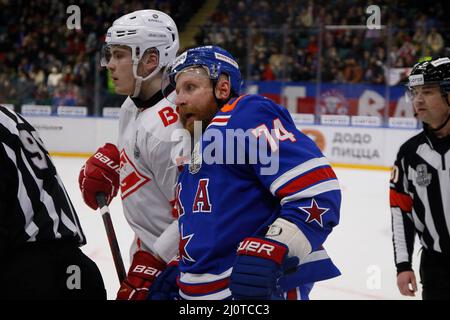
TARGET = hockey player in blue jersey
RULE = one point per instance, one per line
(249, 228)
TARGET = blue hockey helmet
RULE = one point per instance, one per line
(214, 59)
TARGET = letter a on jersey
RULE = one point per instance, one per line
(201, 202)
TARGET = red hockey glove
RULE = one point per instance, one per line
(100, 173)
(143, 272)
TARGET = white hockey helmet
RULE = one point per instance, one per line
(142, 30)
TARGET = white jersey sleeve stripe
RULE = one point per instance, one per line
(316, 189)
(315, 256)
(30, 227)
(401, 250)
(190, 278)
(221, 295)
(295, 172)
(429, 222)
(45, 198)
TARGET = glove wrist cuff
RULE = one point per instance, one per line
(263, 248)
(146, 266)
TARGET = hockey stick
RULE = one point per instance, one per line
(113, 245)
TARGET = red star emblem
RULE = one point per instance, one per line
(314, 212)
(184, 241)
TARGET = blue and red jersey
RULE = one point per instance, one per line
(245, 189)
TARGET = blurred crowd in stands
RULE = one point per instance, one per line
(281, 39)
(44, 62)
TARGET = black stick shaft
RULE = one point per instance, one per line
(112, 239)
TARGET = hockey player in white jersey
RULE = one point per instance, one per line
(138, 47)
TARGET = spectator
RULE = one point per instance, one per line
(306, 16)
(435, 42)
(37, 75)
(33, 43)
(54, 78)
(352, 71)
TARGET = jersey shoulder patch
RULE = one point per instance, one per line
(244, 102)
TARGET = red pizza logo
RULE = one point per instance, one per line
(131, 179)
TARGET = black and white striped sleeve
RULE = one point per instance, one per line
(403, 229)
(37, 204)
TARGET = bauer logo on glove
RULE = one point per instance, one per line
(106, 160)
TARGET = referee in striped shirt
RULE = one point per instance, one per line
(40, 233)
(420, 185)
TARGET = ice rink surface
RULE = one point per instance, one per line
(360, 245)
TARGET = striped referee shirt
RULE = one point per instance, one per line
(34, 205)
(420, 197)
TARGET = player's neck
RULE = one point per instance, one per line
(149, 88)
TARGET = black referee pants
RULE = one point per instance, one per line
(435, 275)
(54, 270)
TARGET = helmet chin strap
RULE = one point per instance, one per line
(442, 125)
(446, 98)
(137, 87)
(139, 79)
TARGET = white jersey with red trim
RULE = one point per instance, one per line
(148, 174)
